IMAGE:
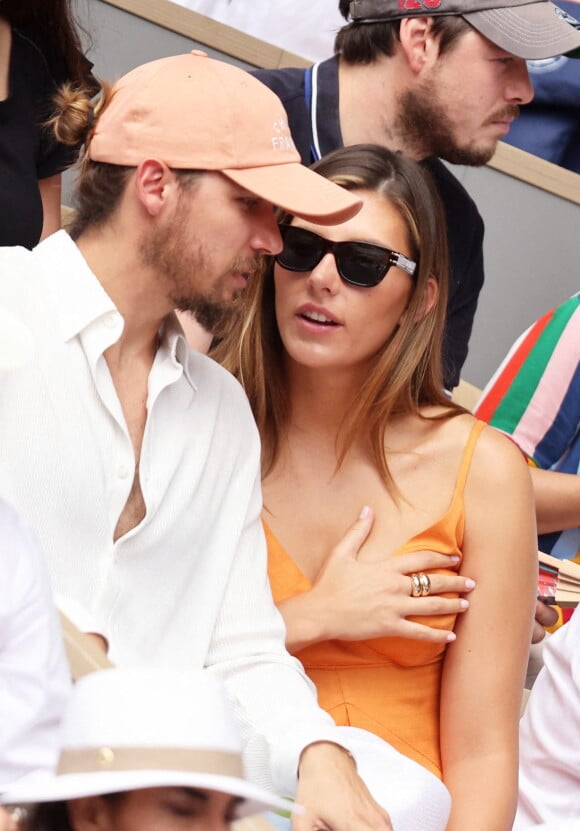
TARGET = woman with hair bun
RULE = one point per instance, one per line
(39, 50)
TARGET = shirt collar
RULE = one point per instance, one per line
(80, 300)
(173, 346)
(325, 107)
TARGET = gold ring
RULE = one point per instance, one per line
(416, 587)
(425, 584)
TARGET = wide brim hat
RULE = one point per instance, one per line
(128, 729)
(64, 787)
(532, 30)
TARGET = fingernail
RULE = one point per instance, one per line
(469, 583)
(364, 512)
(451, 636)
(455, 558)
(464, 603)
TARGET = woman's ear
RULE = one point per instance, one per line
(430, 295)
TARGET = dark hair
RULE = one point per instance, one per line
(54, 816)
(99, 190)
(47, 816)
(98, 194)
(53, 23)
(363, 43)
(99, 186)
(407, 374)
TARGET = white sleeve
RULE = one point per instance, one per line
(80, 616)
(273, 697)
(550, 736)
(34, 676)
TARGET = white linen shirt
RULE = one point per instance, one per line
(549, 789)
(188, 586)
(34, 676)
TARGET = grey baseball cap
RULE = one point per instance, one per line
(532, 30)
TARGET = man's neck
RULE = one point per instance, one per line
(131, 286)
(368, 104)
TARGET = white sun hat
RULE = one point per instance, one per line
(127, 729)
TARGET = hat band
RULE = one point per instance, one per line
(95, 759)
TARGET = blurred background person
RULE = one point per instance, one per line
(550, 737)
(549, 126)
(34, 675)
(300, 26)
(534, 398)
(40, 48)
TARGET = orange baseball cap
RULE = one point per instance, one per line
(196, 113)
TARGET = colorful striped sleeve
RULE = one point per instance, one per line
(534, 396)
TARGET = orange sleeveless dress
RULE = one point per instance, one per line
(389, 686)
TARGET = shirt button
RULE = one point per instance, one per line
(122, 471)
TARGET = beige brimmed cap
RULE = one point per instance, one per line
(195, 113)
(530, 29)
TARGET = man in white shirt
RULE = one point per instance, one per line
(34, 676)
(137, 460)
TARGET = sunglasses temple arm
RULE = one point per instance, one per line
(405, 263)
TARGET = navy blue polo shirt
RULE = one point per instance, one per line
(549, 126)
(317, 132)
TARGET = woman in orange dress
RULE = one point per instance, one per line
(339, 349)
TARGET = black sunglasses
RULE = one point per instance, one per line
(358, 263)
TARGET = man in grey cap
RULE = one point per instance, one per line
(436, 79)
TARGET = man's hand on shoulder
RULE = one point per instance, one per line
(333, 794)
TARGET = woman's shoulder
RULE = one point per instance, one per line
(497, 448)
(454, 431)
(498, 466)
(448, 426)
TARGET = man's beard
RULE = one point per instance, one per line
(162, 250)
(213, 315)
(217, 315)
(424, 124)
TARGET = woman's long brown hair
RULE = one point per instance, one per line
(53, 20)
(407, 374)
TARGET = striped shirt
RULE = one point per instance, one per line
(534, 397)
